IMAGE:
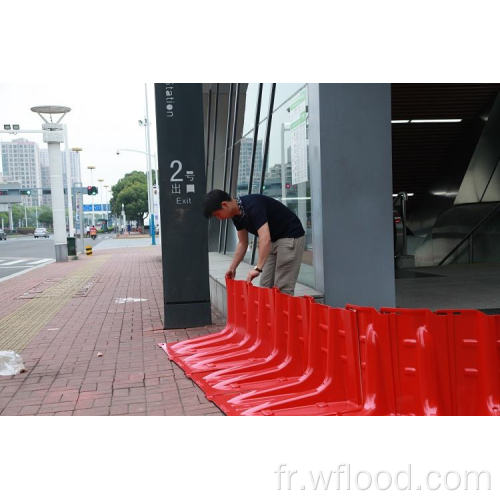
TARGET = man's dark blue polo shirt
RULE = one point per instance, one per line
(258, 209)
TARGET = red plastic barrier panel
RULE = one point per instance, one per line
(238, 337)
(474, 351)
(420, 361)
(310, 377)
(232, 379)
(258, 344)
(331, 382)
(245, 386)
(376, 362)
(316, 385)
(283, 355)
(190, 346)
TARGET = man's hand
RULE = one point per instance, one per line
(230, 274)
(251, 275)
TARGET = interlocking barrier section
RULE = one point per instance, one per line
(283, 355)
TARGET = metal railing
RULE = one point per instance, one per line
(468, 237)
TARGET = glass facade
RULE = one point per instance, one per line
(280, 151)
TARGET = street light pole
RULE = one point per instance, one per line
(92, 168)
(53, 135)
(11, 218)
(71, 226)
(150, 191)
(105, 212)
(148, 151)
(79, 208)
(100, 189)
(79, 196)
(123, 218)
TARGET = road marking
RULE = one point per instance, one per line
(25, 270)
(39, 261)
(13, 262)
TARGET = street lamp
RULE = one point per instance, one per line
(146, 124)
(148, 178)
(92, 168)
(79, 197)
(53, 135)
(105, 204)
(100, 181)
(71, 226)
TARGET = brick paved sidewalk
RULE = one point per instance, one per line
(65, 375)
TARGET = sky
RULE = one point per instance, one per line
(103, 118)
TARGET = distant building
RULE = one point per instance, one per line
(21, 163)
(45, 172)
(245, 163)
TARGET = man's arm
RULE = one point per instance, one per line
(241, 250)
(264, 250)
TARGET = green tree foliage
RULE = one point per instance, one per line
(45, 216)
(17, 212)
(132, 191)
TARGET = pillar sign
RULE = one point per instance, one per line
(181, 164)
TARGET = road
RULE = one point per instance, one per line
(23, 253)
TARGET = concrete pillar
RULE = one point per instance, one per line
(11, 219)
(351, 185)
(57, 192)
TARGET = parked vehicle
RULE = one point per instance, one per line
(41, 232)
(3, 235)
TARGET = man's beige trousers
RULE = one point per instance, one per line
(282, 265)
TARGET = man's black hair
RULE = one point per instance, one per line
(213, 201)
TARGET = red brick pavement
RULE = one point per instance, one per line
(65, 375)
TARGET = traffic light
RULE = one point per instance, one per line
(26, 192)
(91, 190)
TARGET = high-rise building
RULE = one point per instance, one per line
(45, 172)
(21, 163)
(246, 145)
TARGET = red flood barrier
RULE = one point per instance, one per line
(474, 353)
(283, 355)
(243, 389)
(258, 344)
(234, 335)
(330, 384)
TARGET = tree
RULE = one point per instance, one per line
(17, 213)
(132, 191)
(45, 216)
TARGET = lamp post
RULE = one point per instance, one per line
(100, 181)
(71, 226)
(79, 198)
(53, 135)
(148, 179)
(92, 168)
(146, 125)
(105, 203)
(124, 221)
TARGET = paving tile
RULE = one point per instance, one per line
(66, 376)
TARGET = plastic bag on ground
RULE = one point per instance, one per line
(11, 363)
